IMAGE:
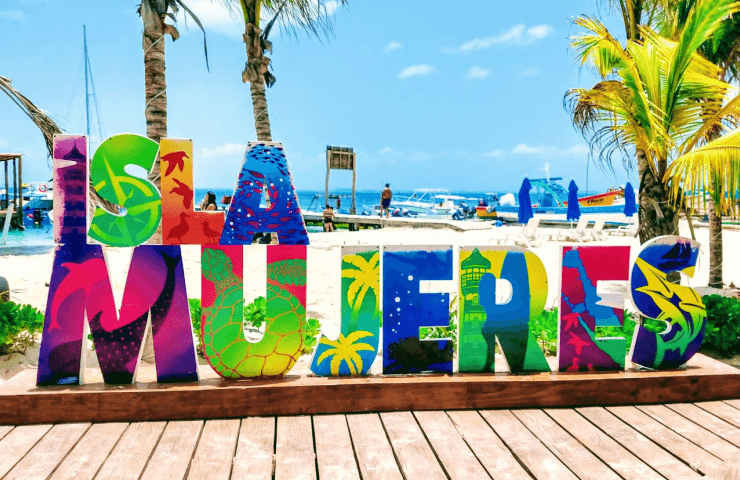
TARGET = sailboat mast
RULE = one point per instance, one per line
(87, 91)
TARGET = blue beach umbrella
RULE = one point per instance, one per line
(525, 204)
(630, 205)
(574, 208)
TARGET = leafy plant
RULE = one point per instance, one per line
(255, 313)
(723, 324)
(19, 325)
(195, 316)
(310, 337)
(443, 332)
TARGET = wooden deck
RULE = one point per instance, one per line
(672, 441)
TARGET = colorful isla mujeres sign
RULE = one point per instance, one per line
(155, 290)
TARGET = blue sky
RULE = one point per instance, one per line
(465, 98)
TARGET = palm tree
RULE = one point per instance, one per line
(345, 350)
(153, 15)
(651, 105)
(365, 276)
(309, 15)
(723, 50)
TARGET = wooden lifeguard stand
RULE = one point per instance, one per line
(341, 158)
(17, 160)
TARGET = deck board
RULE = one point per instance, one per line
(491, 452)
(4, 430)
(543, 464)
(171, 458)
(295, 458)
(707, 440)
(17, 443)
(642, 447)
(334, 453)
(412, 450)
(84, 461)
(458, 460)
(603, 446)
(255, 452)
(216, 448)
(696, 457)
(43, 458)
(374, 452)
(600, 443)
(568, 449)
(131, 454)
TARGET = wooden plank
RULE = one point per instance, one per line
(4, 430)
(84, 461)
(531, 452)
(374, 454)
(457, 459)
(708, 421)
(733, 403)
(729, 470)
(44, 457)
(21, 402)
(171, 459)
(294, 455)
(723, 410)
(334, 453)
(696, 457)
(215, 451)
(412, 450)
(707, 440)
(131, 454)
(569, 450)
(642, 447)
(17, 443)
(495, 457)
(609, 451)
(255, 452)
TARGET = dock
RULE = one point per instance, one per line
(368, 221)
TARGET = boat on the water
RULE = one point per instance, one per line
(550, 202)
(428, 202)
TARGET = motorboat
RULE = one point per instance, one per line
(428, 202)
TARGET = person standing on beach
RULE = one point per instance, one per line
(329, 219)
(385, 200)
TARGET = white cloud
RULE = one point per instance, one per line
(393, 46)
(516, 35)
(230, 149)
(530, 150)
(387, 151)
(214, 17)
(331, 7)
(16, 15)
(530, 72)
(478, 72)
(415, 70)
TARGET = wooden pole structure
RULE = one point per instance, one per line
(20, 193)
(15, 191)
(353, 211)
(328, 171)
(7, 188)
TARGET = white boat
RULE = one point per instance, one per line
(424, 202)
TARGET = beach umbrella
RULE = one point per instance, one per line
(574, 208)
(525, 204)
(630, 205)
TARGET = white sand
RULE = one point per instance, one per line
(29, 274)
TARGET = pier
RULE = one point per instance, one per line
(368, 221)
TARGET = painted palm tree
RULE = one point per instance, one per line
(365, 277)
(651, 105)
(723, 50)
(345, 350)
(312, 16)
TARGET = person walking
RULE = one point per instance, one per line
(385, 200)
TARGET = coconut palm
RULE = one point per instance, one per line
(293, 15)
(365, 277)
(345, 350)
(723, 50)
(652, 104)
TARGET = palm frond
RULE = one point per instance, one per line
(46, 125)
(714, 168)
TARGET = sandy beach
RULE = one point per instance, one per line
(28, 274)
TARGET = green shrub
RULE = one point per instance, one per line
(723, 324)
(19, 325)
(255, 313)
(443, 332)
(195, 316)
(310, 338)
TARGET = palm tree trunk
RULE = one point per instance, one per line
(715, 245)
(657, 216)
(156, 96)
(261, 114)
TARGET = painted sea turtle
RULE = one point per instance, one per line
(224, 343)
